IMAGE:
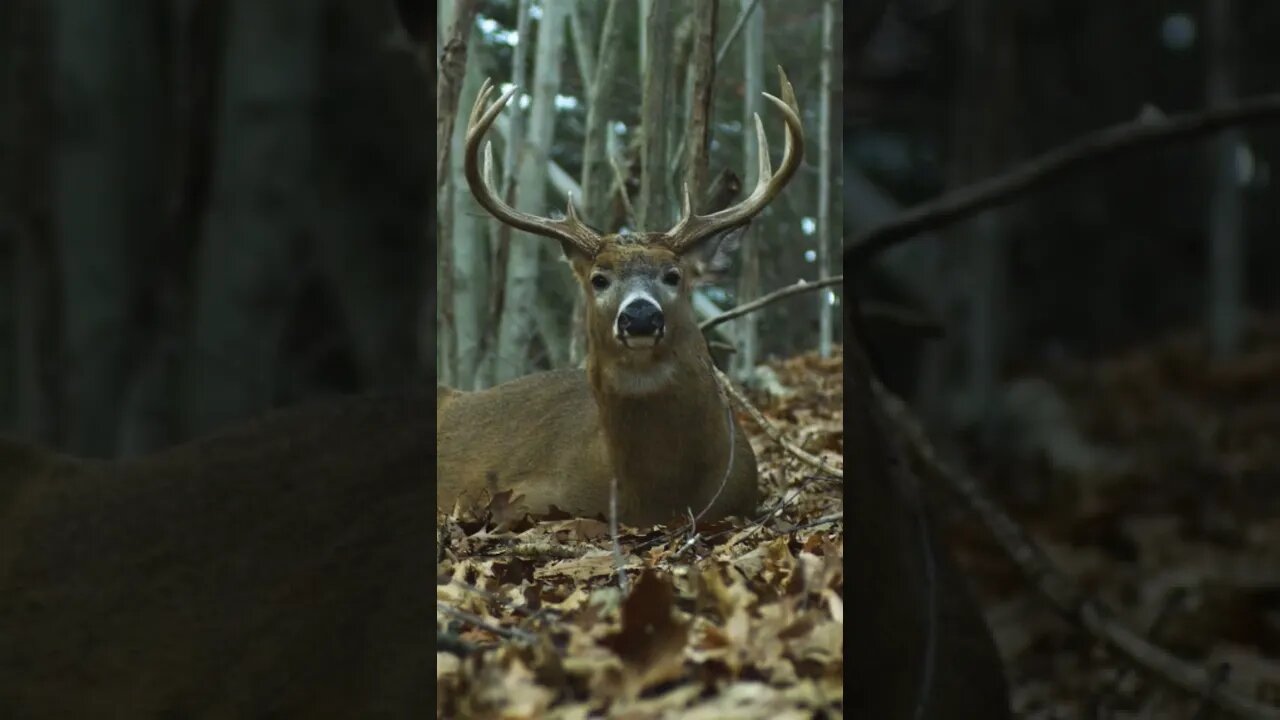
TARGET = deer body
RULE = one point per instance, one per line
(647, 411)
(271, 570)
(560, 409)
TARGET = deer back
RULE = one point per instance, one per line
(275, 569)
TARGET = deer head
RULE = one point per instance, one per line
(638, 285)
(648, 412)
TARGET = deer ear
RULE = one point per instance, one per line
(713, 256)
(578, 261)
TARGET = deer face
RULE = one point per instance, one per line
(636, 292)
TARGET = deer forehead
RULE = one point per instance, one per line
(635, 253)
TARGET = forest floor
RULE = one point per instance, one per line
(1177, 527)
(1174, 521)
(726, 619)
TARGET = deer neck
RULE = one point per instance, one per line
(666, 430)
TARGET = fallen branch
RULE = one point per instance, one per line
(1105, 143)
(1057, 587)
(771, 430)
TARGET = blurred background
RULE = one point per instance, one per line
(207, 208)
(1110, 357)
(508, 302)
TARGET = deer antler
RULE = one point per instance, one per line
(693, 228)
(570, 230)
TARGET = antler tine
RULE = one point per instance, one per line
(570, 230)
(693, 228)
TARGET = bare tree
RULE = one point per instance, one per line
(702, 76)
(825, 159)
(500, 234)
(249, 265)
(107, 172)
(747, 327)
(1226, 212)
(652, 205)
(470, 249)
(520, 298)
(596, 172)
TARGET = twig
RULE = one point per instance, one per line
(800, 286)
(1216, 679)
(618, 564)
(451, 643)
(824, 520)
(1172, 599)
(1057, 587)
(733, 31)
(1105, 143)
(728, 465)
(771, 430)
(476, 620)
(620, 185)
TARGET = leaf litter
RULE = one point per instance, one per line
(741, 618)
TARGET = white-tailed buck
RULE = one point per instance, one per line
(647, 410)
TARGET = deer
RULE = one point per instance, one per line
(274, 568)
(647, 411)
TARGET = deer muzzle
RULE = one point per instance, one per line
(639, 323)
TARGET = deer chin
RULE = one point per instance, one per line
(637, 343)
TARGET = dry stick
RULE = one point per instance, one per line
(1105, 143)
(483, 624)
(771, 430)
(1059, 589)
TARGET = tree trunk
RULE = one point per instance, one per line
(470, 256)
(107, 182)
(520, 298)
(500, 233)
(973, 276)
(747, 327)
(25, 142)
(826, 233)
(701, 93)
(652, 205)
(261, 211)
(1226, 212)
(601, 87)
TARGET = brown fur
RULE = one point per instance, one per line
(559, 438)
(273, 570)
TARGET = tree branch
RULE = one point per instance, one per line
(800, 286)
(733, 31)
(1105, 143)
(1061, 592)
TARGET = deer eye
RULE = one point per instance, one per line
(671, 277)
(599, 282)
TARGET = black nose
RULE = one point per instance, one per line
(640, 318)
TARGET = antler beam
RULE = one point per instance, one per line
(570, 230)
(693, 228)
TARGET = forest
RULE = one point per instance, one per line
(1049, 358)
